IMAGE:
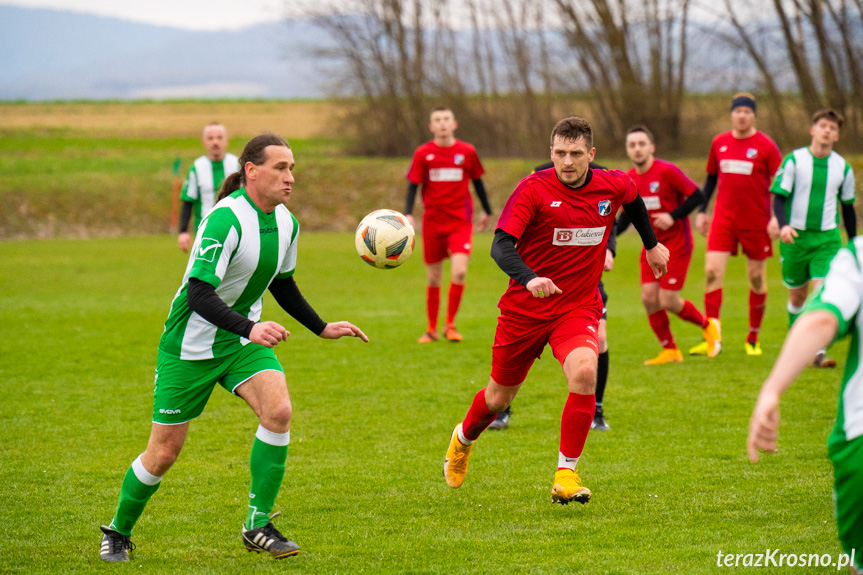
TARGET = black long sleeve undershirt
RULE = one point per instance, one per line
(185, 216)
(504, 254)
(410, 198)
(479, 187)
(288, 295)
(689, 204)
(204, 301)
(637, 214)
(708, 189)
(779, 210)
(849, 215)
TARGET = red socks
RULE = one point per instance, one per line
(659, 322)
(432, 306)
(712, 303)
(691, 314)
(455, 291)
(575, 423)
(479, 417)
(756, 314)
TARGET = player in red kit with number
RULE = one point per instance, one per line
(551, 240)
(443, 167)
(741, 166)
(670, 197)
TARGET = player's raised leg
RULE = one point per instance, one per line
(580, 370)
(267, 394)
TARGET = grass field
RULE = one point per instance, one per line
(363, 491)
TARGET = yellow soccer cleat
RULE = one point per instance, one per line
(455, 464)
(428, 337)
(451, 334)
(753, 349)
(713, 337)
(567, 487)
(666, 356)
(700, 349)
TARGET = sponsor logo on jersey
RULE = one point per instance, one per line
(604, 207)
(736, 167)
(269, 230)
(652, 202)
(458, 159)
(751, 153)
(429, 157)
(555, 204)
(578, 236)
(207, 250)
(446, 175)
(171, 411)
(654, 187)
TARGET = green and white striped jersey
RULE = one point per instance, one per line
(239, 250)
(815, 187)
(842, 295)
(204, 181)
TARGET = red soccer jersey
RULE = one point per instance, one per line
(745, 167)
(561, 234)
(444, 174)
(663, 188)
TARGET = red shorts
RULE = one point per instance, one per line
(723, 238)
(439, 244)
(678, 266)
(519, 342)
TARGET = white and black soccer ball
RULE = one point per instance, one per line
(385, 239)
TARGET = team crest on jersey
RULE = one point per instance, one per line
(604, 207)
(429, 157)
(654, 187)
(207, 250)
(751, 153)
(458, 159)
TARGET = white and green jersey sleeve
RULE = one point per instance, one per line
(842, 295)
(204, 181)
(239, 250)
(814, 186)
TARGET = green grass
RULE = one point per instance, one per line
(363, 491)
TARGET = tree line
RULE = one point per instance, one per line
(510, 68)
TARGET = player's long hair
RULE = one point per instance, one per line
(572, 128)
(255, 152)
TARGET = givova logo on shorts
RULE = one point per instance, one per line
(171, 411)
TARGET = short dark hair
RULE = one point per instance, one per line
(255, 152)
(572, 128)
(641, 128)
(827, 114)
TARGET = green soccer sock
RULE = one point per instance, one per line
(138, 486)
(269, 452)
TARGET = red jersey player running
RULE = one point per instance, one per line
(551, 240)
(741, 165)
(443, 168)
(670, 197)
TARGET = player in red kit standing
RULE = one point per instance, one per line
(670, 197)
(551, 240)
(443, 168)
(741, 166)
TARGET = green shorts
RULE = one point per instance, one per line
(808, 257)
(847, 458)
(183, 387)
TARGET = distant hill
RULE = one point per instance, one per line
(49, 54)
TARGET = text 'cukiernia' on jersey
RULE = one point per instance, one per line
(239, 250)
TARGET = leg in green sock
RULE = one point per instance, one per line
(267, 462)
(138, 486)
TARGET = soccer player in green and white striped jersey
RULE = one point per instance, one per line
(836, 310)
(204, 180)
(807, 191)
(246, 245)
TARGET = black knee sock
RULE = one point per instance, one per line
(601, 377)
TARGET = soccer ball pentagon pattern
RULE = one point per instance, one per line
(385, 239)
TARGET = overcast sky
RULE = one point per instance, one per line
(191, 14)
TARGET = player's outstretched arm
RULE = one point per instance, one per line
(811, 332)
(339, 329)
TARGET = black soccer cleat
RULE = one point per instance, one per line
(267, 539)
(598, 422)
(115, 546)
(502, 419)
